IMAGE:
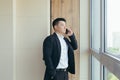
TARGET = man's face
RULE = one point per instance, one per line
(60, 27)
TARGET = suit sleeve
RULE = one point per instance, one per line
(73, 41)
(47, 52)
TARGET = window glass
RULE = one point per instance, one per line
(95, 69)
(96, 24)
(109, 75)
(113, 27)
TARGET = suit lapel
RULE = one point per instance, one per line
(58, 43)
(66, 40)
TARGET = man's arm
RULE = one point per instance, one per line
(73, 41)
(47, 52)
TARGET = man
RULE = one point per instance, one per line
(58, 52)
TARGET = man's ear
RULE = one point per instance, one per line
(55, 27)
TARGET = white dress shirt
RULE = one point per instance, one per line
(63, 63)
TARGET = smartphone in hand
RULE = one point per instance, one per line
(66, 31)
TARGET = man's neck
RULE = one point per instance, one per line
(59, 33)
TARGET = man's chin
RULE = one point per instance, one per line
(64, 33)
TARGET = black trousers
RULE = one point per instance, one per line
(61, 75)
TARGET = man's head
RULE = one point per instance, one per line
(59, 25)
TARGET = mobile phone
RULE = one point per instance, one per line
(66, 31)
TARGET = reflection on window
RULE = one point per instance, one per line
(113, 26)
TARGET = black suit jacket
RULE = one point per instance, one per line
(52, 52)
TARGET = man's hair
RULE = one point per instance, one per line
(56, 21)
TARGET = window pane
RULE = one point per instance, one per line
(110, 76)
(95, 69)
(96, 24)
(113, 26)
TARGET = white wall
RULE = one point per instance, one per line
(84, 40)
(33, 25)
(6, 40)
(23, 26)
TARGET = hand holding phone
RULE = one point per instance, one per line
(69, 32)
(66, 31)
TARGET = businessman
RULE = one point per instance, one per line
(58, 51)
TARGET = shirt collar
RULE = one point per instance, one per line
(59, 35)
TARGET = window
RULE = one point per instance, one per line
(95, 24)
(95, 69)
(105, 39)
(113, 27)
(109, 75)
(95, 40)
